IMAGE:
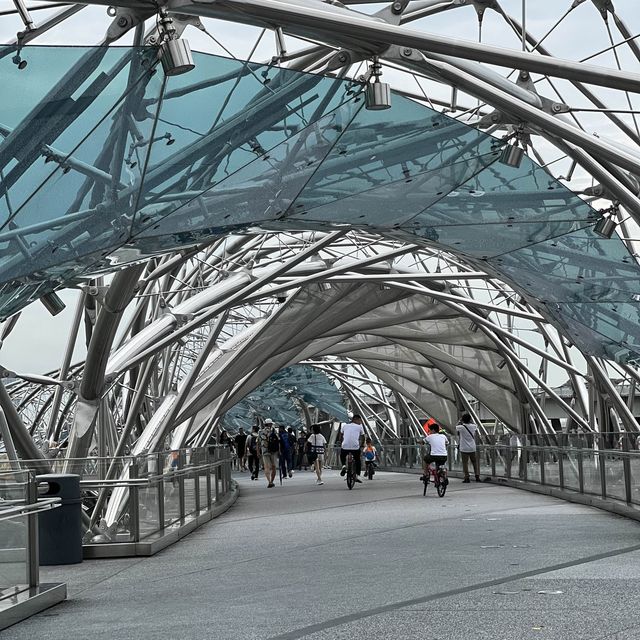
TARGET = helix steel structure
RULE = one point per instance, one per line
(426, 221)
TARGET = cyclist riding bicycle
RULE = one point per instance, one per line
(437, 444)
(351, 436)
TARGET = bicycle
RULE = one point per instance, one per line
(351, 471)
(369, 469)
(440, 479)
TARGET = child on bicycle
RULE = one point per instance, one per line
(436, 450)
(370, 454)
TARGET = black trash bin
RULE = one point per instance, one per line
(60, 529)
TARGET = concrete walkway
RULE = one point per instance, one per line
(381, 561)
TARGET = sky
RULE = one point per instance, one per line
(38, 342)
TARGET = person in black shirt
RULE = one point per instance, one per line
(241, 447)
(302, 445)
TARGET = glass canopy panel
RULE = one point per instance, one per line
(489, 240)
(401, 146)
(40, 109)
(523, 205)
(409, 196)
(82, 107)
(260, 191)
(79, 201)
(580, 267)
(251, 110)
(608, 329)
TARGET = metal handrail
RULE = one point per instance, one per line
(604, 474)
(151, 479)
(43, 504)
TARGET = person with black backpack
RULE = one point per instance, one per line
(269, 449)
(286, 453)
(252, 452)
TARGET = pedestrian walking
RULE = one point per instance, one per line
(293, 447)
(269, 448)
(302, 451)
(252, 448)
(467, 444)
(241, 449)
(315, 447)
(286, 452)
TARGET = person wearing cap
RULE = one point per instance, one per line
(428, 424)
(268, 454)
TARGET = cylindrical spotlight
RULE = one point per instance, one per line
(605, 227)
(52, 303)
(378, 96)
(512, 156)
(176, 57)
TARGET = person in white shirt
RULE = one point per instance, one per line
(316, 444)
(467, 442)
(352, 434)
(438, 444)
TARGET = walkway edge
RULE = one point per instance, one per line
(163, 539)
(610, 504)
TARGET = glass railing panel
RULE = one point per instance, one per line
(13, 555)
(614, 474)
(202, 484)
(501, 462)
(570, 468)
(634, 465)
(456, 460)
(148, 511)
(532, 457)
(171, 502)
(189, 495)
(552, 467)
(484, 461)
(591, 469)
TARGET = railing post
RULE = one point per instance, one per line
(603, 474)
(524, 461)
(626, 468)
(208, 485)
(561, 467)
(134, 505)
(181, 484)
(33, 560)
(580, 471)
(160, 481)
(541, 463)
(493, 461)
(196, 488)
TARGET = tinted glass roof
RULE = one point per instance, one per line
(103, 157)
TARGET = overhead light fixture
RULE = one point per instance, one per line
(502, 364)
(52, 303)
(377, 93)
(512, 155)
(444, 379)
(175, 53)
(605, 227)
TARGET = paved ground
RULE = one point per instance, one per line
(381, 561)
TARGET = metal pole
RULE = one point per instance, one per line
(134, 504)
(9, 447)
(33, 561)
(64, 367)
